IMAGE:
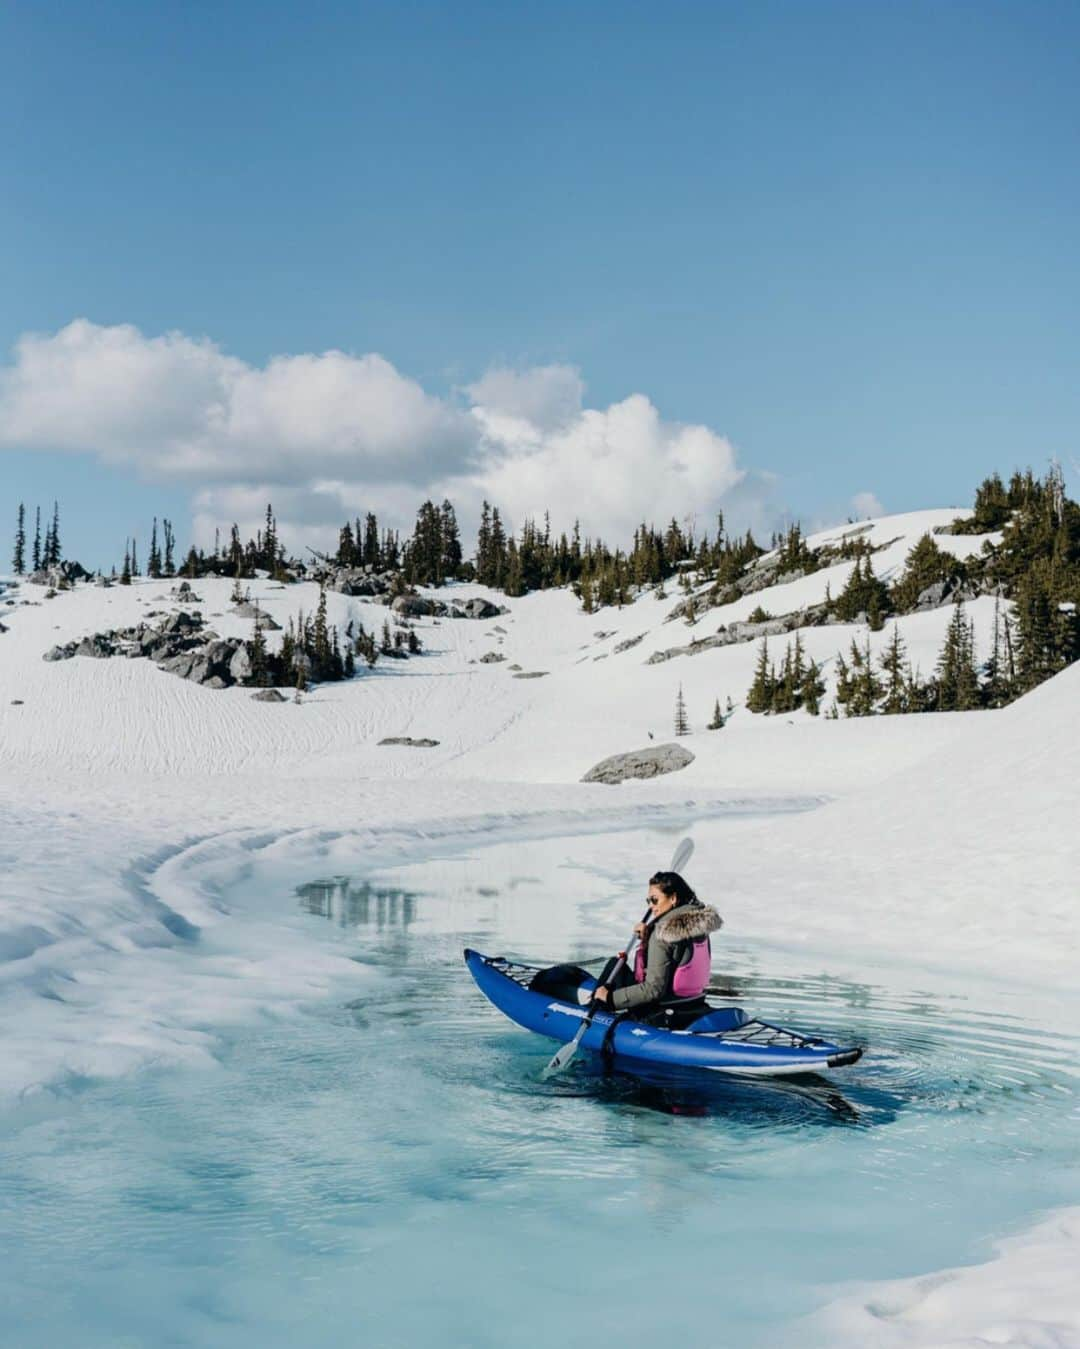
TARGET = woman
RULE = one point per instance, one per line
(673, 959)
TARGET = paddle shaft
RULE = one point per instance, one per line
(567, 1052)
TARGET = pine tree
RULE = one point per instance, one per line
(893, 668)
(760, 696)
(125, 574)
(259, 659)
(682, 725)
(57, 551)
(153, 562)
(349, 664)
(811, 689)
(926, 565)
(957, 680)
(134, 560)
(717, 722)
(321, 649)
(36, 555)
(168, 566)
(18, 562)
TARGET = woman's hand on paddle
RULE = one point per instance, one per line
(640, 930)
(601, 993)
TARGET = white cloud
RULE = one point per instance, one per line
(866, 506)
(329, 436)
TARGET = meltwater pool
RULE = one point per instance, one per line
(388, 1169)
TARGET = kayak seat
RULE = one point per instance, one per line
(561, 981)
(717, 1020)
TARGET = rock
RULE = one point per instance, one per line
(200, 671)
(268, 696)
(216, 682)
(492, 658)
(628, 643)
(17, 702)
(415, 606)
(498, 629)
(240, 665)
(253, 611)
(531, 674)
(103, 581)
(408, 740)
(513, 667)
(642, 763)
(97, 646)
(603, 635)
(178, 665)
(933, 596)
(480, 608)
(60, 652)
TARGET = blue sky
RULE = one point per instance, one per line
(841, 236)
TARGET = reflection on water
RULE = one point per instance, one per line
(357, 903)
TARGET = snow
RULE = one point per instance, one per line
(131, 800)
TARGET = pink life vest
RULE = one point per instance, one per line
(690, 979)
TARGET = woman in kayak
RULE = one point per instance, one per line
(673, 956)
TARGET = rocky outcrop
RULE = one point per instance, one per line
(181, 645)
(492, 658)
(246, 610)
(268, 696)
(733, 633)
(642, 763)
(409, 741)
(532, 674)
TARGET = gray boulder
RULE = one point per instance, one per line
(479, 608)
(240, 665)
(643, 763)
(415, 606)
(268, 696)
(531, 674)
(408, 740)
(97, 646)
(60, 652)
(492, 658)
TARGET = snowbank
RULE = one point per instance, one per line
(130, 800)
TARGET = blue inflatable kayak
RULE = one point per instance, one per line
(725, 1040)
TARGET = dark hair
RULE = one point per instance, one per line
(670, 883)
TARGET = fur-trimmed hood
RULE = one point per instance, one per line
(688, 922)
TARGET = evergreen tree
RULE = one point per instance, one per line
(372, 552)
(811, 689)
(925, 565)
(134, 560)
(717, 722)
(866, 688)
(125, 574)
(259, 658)
(451, 542)
(346, 553)
(36, 555)
(321, 649)
(168, 566)
(760, 696)
(863, 594)
(153, 562)
(18, 562)
(957, 680)
(893, 668)
(349, 664)
(414, 643)
(682, 725)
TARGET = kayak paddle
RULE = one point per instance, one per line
(567, 1052)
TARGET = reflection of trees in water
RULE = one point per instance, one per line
(357, 904)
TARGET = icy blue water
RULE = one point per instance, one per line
(393, 1172)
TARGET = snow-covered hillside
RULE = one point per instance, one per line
(129, 797)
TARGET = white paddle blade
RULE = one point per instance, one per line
(683, 853)
(561, 1060)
